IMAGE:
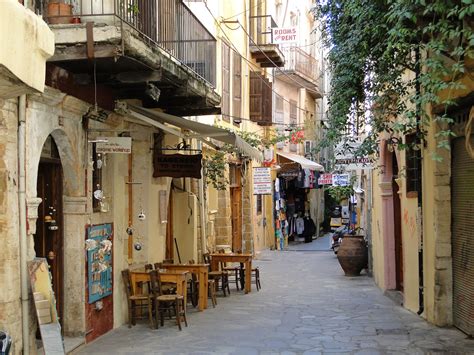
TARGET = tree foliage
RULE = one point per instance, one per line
(391, 61)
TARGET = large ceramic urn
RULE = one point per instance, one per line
(352, 254)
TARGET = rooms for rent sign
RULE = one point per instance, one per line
(288, 35)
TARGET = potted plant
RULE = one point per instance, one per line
(59, 11)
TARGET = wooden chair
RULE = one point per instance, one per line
(233, 271)
(193, 292)
(218, 275)
(255, 276)
(163, 303)
(167, 287)
(135, 302)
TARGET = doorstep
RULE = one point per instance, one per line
(73, 343)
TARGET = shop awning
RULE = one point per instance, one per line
(156, 118)
(305, 163)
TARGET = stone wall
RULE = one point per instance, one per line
(10, 307)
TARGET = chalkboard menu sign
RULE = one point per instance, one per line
(99, 261)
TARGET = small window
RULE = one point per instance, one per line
(413, 165)
(259, 204)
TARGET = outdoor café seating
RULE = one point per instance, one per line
(163, 303)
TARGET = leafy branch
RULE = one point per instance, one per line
(388, 75)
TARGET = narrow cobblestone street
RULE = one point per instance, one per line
(306, 306)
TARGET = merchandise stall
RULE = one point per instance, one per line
(295, 178)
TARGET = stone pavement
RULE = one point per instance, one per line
(306, 306)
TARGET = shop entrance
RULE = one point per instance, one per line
(397, 223)
(49, 225)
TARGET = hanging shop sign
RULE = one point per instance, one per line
(325, 179)
(262, 181)
(120, 145)
(285, 35)
(347, 160)
(340, 180)
(177, 165)
(289, 175)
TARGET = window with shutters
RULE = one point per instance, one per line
(279, 109)
(236, 86)
(225, 103)
(260, 99)
(293, 113)
(413, 166)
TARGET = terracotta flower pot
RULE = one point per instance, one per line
(56, 11)
(352, 254)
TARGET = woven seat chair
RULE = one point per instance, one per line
(220, 275)
(135, 301)
(165, 303)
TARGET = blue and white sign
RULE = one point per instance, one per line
(340, 180)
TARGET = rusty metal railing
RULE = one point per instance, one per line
(168, 24)
(297, 60)
(261, 29)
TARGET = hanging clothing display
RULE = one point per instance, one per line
(292, 221)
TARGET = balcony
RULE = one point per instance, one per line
(262, 48)
(156, 51)
(301, 69)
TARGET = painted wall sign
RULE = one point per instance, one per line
(177, 165)
(340, 179)
(99, 261)
(262, 181)
(285, 35)
(121, 145)
(325, 179)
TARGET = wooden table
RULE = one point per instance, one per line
(176, 277)
(201, 271)
(234, 258)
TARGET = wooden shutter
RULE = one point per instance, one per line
(237, 85)
(260, 99)
(225, 104)
(256, 105)
(293, 112)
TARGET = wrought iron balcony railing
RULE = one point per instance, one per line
(301, 63)
(168, 24)
(261, 29)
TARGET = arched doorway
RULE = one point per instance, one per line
(49, 225)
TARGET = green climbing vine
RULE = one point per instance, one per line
(215, 163)
(391, 61)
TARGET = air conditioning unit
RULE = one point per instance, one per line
(308, 147)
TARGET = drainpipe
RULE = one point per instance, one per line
(202, 208)
(22, 223)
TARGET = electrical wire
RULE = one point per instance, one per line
(255, 67)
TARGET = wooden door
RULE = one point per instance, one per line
(49, 226)
(397, 224)
(236, 212)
